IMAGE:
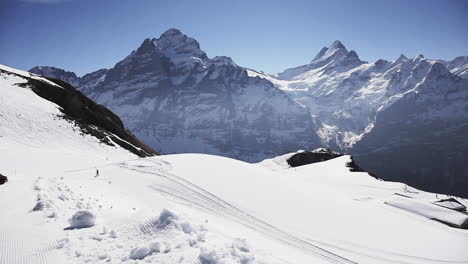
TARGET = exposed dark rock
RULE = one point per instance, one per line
(309, 157)
(3, 179)
(354, 167)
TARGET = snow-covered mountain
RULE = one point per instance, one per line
(346, 93)
(458, 66)
(72, 198)
(421, 137)
(388, 113)
(170, 94)
(176, 99)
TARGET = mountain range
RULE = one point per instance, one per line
(403, 120)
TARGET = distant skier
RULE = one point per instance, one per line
(97, 173)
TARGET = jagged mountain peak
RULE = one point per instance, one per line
(418, 58)
(337, 45)
(173, 43)
(402, 57)
(329, 57)
(171, 32)
(352, 55)
(336, 49)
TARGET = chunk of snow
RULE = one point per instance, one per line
(155, 247)
(139, 252)
(82, 219)
(166, 218)
(42, 205)
(113, 234)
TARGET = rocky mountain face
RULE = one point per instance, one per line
(176, 99)
(458, 66)
(421, 137)
(170, 94)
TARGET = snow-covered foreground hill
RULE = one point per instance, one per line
(197, 208)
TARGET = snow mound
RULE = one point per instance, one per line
(82, 219)
(178, 237)
(238, 252)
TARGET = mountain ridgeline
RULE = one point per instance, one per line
(403, 120)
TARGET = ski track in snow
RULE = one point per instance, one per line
(186, 193)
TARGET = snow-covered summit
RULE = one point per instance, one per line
(329, 58)
(337, 49)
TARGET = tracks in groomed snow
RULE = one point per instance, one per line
(189, 194)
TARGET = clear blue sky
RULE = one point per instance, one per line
(85, 35)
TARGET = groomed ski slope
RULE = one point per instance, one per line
(193, 208)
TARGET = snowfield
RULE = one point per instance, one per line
(197, 208)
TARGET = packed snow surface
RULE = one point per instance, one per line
(193, 208)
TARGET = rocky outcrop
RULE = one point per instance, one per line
(3, 179)
(309, 157)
